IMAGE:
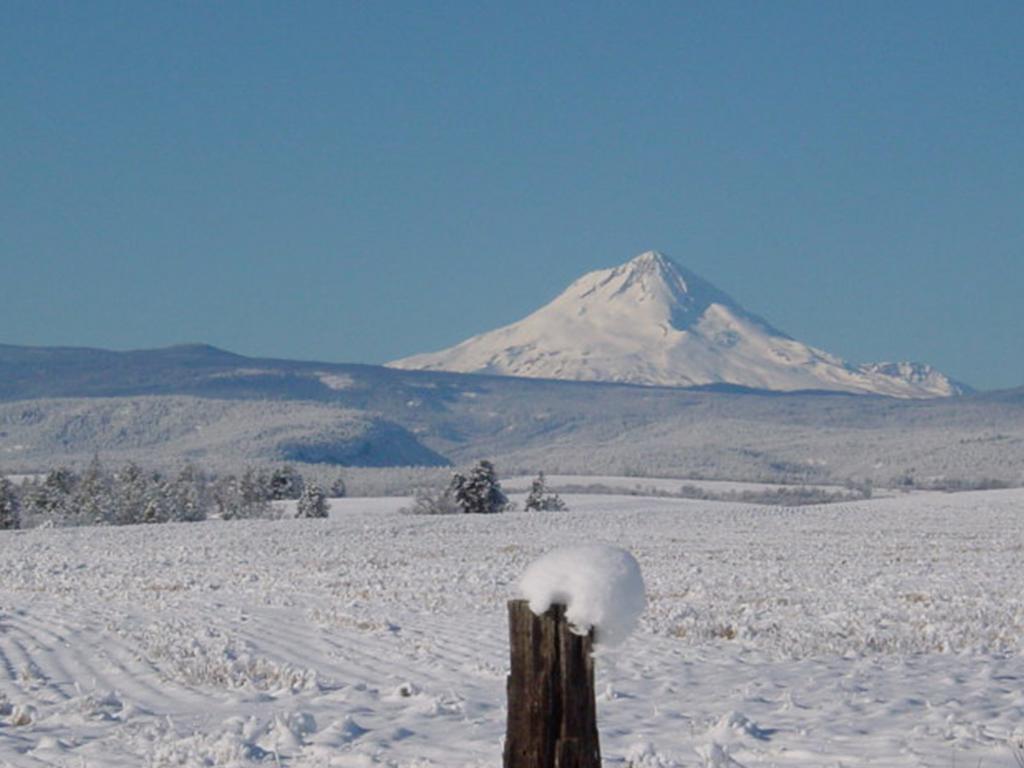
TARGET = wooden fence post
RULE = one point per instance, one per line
(552, 714)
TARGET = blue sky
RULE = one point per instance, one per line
(361, 181)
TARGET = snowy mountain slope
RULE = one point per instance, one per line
(650, 321)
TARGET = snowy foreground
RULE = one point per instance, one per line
(886, 633)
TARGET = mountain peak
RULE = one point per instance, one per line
(651, 321)
(648, 270)
(652, 289)
(653, 264)
(651, 259)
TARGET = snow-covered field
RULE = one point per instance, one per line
(887, 633)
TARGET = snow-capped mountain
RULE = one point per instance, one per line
(650, 321)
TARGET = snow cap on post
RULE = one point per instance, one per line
(599, 585)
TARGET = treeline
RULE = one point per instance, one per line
(783, 496)
(131, 495)
(909, 481)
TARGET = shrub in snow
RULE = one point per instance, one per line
(338, 489)
(644, 755)
(313, 502)
(480, 492)
(427, 502)
(8, 505)
(599, 585)
(540, 500)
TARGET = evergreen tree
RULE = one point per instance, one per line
(156, 500)
(61, 480)
(538, 489)
(226, 497)
(188, 497)
(93, 500)
(50, 501)
(285, 483)
(480, 493)
(457, 491)
(244, 497)
(254, 487)
(30, 497)
(541, 500)
(130, 495)
(8, 505)
(313, 502)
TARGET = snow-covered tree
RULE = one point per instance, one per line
(188, 496)
(50, 501)
(480, 492)
(538, 489)
(313, 502)
(157, 500)
(456, 490)
(241, 497)
(130, 495)
(226, 497)
(254, 486)
(8, 505)
(338, 489)
(93, 501)
(541, 500)
(61, 479)
(285, 483)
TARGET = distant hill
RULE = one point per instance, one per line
(201, 402)
(168, 428)
(1015, 395)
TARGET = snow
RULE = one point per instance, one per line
(651, 321)
(335, 381)
(19, 479)
(879, 633)
(599, 585)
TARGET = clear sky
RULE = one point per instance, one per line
(362, 181)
